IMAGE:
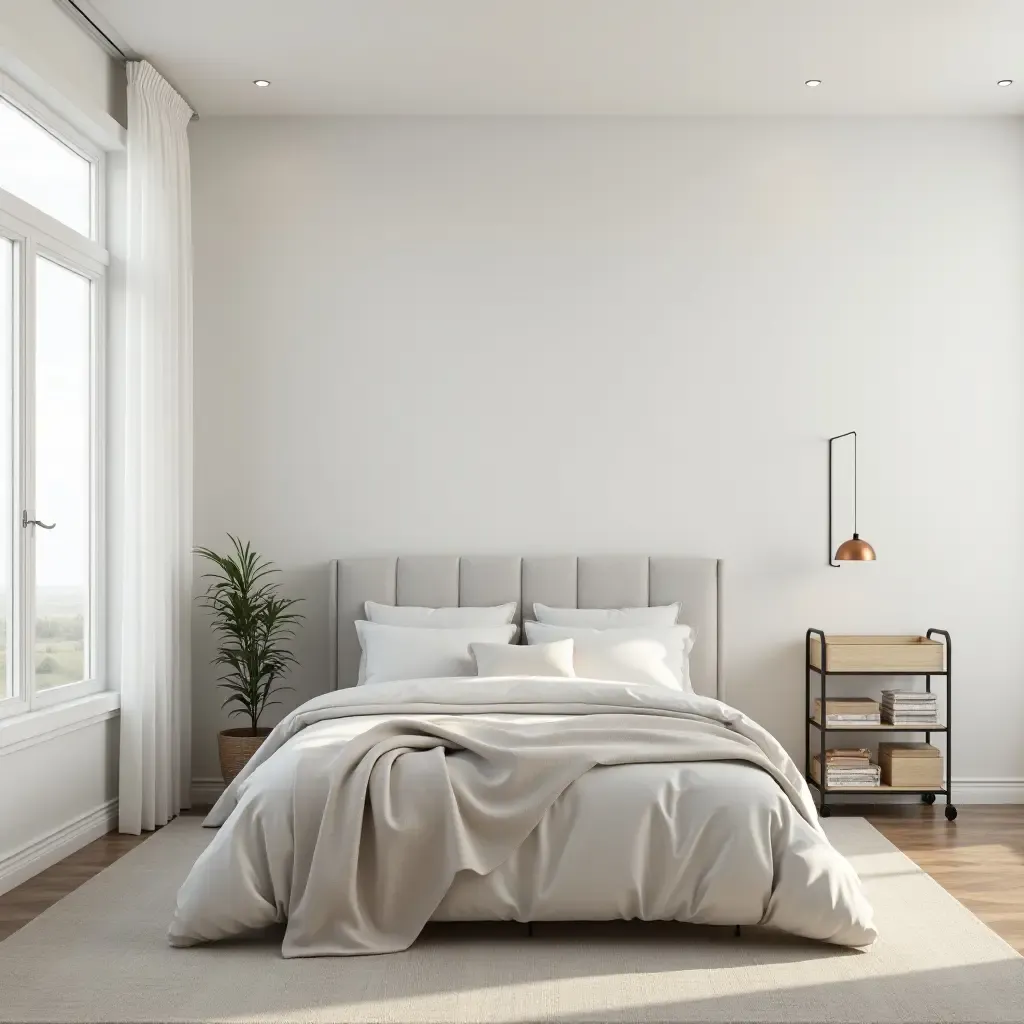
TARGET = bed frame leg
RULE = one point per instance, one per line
(736, 932)
(529, 929)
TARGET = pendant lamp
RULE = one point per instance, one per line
(855, 549)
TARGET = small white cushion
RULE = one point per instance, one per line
(554, 659)
(409, 652)
(607, 618)
(639, 655)
(440, 618)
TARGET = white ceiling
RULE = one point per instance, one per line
(581, 56)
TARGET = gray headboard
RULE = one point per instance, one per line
(565, 581)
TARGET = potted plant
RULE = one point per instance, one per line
(254, 626)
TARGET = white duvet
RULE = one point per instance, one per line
(371, 810)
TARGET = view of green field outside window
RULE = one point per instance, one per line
(60, 636)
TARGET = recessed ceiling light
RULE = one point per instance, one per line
(261, 82)
(813, 83)
(1004, 82)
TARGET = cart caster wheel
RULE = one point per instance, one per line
(950, 813)
(826, 812)
(927, 798)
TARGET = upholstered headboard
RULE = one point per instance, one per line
(565, 581)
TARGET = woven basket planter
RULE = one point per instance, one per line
(236, 748)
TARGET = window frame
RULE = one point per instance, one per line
(65, 133)
(35, 235)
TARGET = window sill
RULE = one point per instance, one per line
(33, 727)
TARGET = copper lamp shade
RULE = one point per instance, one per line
(855, 549)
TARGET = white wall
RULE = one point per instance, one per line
(49, 42)
(57, 795)
(627, 335)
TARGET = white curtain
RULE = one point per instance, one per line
(156, 516)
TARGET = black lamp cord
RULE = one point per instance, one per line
(856, 536)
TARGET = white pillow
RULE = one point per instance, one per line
(554, 659)
(607, 618)
(408, 652)
(640, 655)
(440, 618)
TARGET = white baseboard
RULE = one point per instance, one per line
(206, 792)
(44, 852)
(988, 791)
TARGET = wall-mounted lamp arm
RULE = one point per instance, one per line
(831, 440)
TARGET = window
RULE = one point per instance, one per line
(62, 464)
(7, 332)
(44, 171)
(52, 289)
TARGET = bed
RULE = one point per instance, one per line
(373, 809)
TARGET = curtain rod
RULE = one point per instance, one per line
(90, 26)
(82, 18)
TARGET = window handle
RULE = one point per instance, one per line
(26, 522)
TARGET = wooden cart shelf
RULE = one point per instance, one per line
(845, 655)
(882, 788)
(877, 655)
(882, 727)
(874, 672)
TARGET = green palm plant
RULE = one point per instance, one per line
(254, 626)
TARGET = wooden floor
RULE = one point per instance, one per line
(31, 898)
(979, 859)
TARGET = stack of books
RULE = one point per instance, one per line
(909, 707)
(848, 711)
(847, 768)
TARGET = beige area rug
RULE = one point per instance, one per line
(100, 955)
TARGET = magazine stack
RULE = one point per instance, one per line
(850, 767)
(909, 707)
